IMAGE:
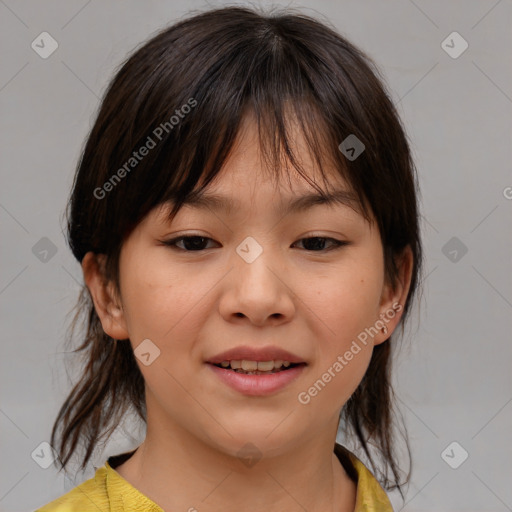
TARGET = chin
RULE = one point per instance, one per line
(250, 445)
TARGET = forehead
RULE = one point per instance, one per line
(227, 199)
(282, 203)
(249, 179)
(248, 171)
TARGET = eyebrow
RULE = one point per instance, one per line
(202, 200)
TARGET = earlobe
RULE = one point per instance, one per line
(394, 298)
(106, 303)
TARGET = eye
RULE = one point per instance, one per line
(317, 243)
(190, 243)
(196, 243)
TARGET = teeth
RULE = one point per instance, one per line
(262, 366)
(251, 366)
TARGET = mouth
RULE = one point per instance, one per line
(257, 378)
(247, 367)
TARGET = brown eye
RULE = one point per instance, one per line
(188, 243)
(200, 243)
(317, 244)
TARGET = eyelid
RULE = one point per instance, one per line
(171, 242)
(336, 243)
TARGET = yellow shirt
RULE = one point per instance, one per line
(108, 491)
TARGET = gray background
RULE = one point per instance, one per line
(453, 380)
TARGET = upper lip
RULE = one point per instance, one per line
(270, 353)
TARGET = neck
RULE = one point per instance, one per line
(179, 472)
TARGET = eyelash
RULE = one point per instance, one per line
(336, 244)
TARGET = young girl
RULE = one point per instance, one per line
(246, 219)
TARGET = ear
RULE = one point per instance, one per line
(393, 299)
(107, 304)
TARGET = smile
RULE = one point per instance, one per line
(246, 377)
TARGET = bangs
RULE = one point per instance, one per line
(267, 76)
(280, 125)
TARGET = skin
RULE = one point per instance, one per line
(193, 305)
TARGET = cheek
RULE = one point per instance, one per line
(332, 384)
(159, 298)
(165, 306)
(345, 299)
(343, 304)
(342, 352)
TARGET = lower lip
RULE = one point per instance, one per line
(257, 385)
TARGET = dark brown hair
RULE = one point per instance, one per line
(224, 63)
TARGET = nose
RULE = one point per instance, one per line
(258, 291)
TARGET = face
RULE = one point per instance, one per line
(307, 281)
